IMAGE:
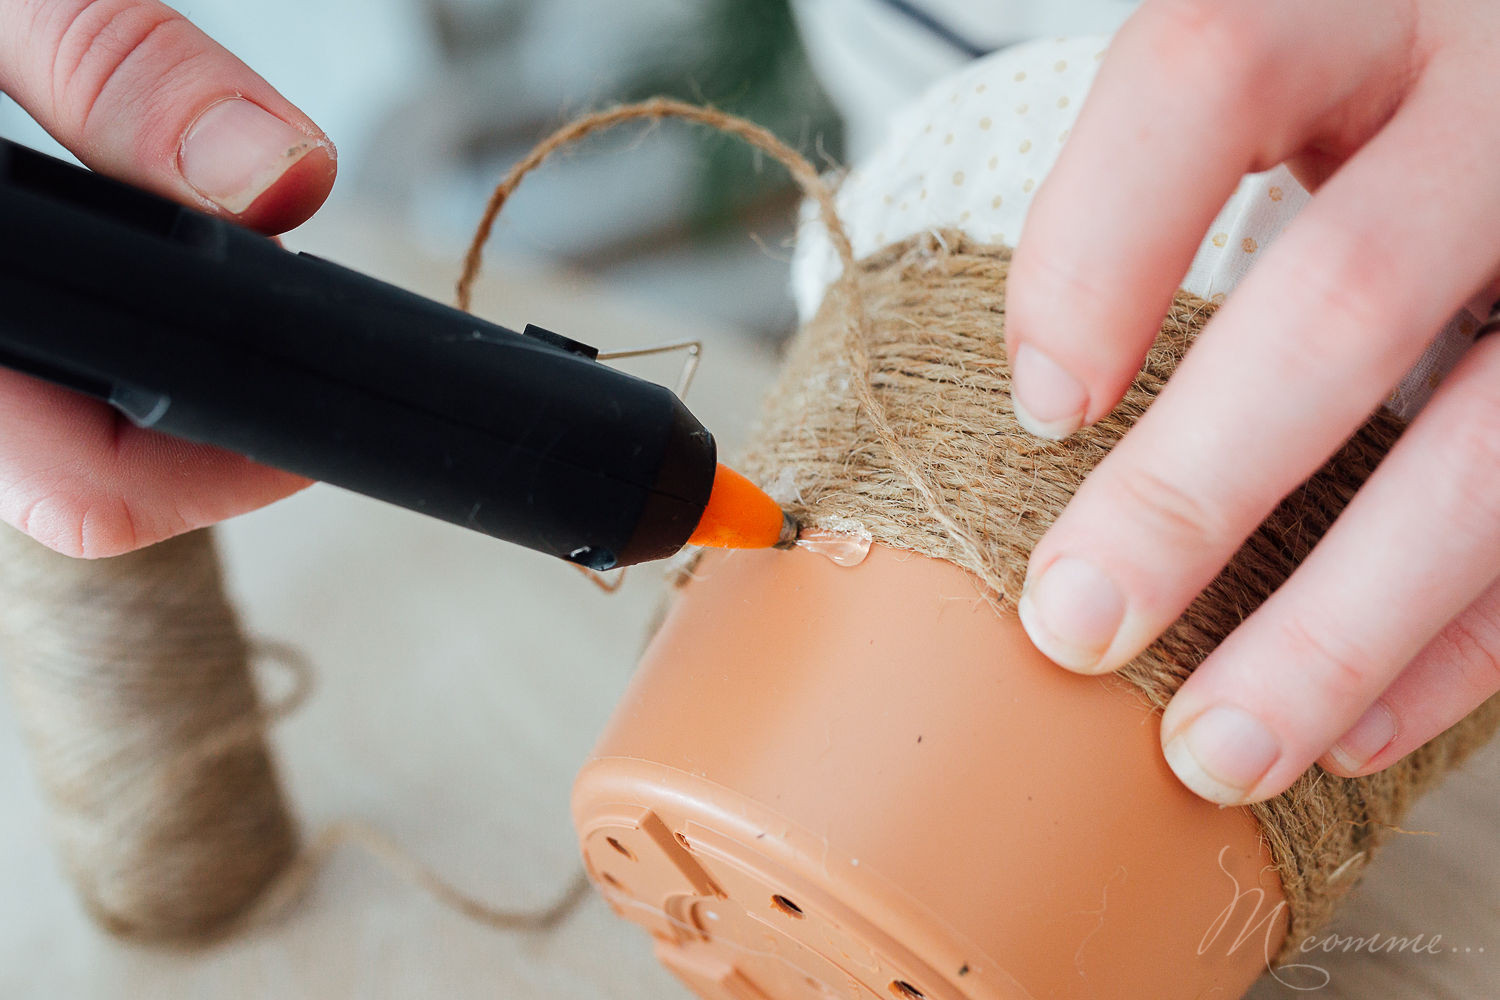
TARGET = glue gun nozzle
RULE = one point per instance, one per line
(740, 515)
(789, 531)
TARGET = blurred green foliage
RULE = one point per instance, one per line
(747, 58)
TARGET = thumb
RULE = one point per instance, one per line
(137, 92)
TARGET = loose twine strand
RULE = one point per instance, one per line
(856, 330)
(294, 881)
(405, 866)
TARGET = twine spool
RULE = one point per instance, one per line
(131, 680)
(910, 436)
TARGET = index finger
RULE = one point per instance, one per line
(1192, 94)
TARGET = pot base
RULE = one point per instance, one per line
(745, 906)
(831, 782)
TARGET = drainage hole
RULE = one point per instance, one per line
(906, 991)
(681, 839)
(611, 880)
(786, 906)
(619, 847)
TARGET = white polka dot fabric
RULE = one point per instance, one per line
(971, 152)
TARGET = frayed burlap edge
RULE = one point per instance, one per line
(934, 326)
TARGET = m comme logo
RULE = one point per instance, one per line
(1250, 918)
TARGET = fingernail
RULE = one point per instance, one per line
(1223, 753)
(1072, 612)
(1048, 401)
(1366, 738)
(236, 150)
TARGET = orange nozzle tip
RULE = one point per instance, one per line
(739, 515)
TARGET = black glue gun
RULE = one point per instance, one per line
(201, 329)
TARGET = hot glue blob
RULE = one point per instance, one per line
(839, 547)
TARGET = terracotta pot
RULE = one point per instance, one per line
(857, 782)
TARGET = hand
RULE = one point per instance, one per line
(1390, 631)
(136, 91)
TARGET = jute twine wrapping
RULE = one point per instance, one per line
(932, 333)
(131, 680)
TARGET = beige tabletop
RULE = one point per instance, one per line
(460, 683)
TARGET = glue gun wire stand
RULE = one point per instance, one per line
(199, 328)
